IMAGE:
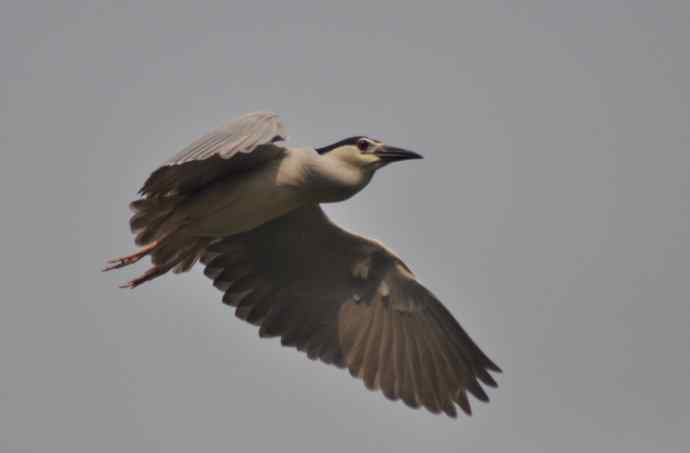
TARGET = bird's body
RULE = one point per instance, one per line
(248, 208)
(249, 199)
(297, 177)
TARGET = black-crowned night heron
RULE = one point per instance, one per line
(248, 208)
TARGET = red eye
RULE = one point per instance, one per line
(363, 145)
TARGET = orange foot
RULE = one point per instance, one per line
(117, 263)
(150, 274)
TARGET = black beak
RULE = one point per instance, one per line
(391, 154)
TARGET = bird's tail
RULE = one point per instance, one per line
(149, 221)
(175, 252)
(169, 246)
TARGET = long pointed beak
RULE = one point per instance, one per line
(391, 154)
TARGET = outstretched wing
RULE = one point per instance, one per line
(241, 145)
(349, 301)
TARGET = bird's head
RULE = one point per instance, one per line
(346, 167)
(366, 153)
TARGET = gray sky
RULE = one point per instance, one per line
(551, 216)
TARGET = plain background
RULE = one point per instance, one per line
(551, 215)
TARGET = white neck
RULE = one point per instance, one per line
(332, 179)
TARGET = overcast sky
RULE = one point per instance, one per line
(551, 216)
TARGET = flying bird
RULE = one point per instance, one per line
(248, 208)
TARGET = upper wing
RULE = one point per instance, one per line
(350, 302)
(240, 145)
